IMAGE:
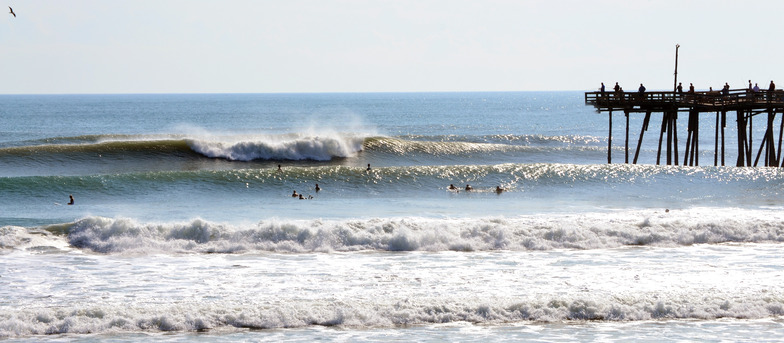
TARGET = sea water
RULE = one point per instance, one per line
(184, 227)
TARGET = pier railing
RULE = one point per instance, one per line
(705, 100)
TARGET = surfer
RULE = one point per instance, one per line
(498, 189)
(317, 188)
(294, 195)
(279, 170)
(368, 168)
(469, 188)
(452, 187)
(72, 200)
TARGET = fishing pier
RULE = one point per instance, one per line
(744, 103)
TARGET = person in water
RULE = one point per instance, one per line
(294, 195)
(452, 187)
(317, 188)
(498, 189)
(469, 188)
(72, 200)
(279, 170)
(368, 168)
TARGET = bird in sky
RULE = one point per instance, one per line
(12, 11)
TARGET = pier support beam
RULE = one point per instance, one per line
(644, 128)
(609, 141)
(692, 139)
(626, 151)
(742, 141)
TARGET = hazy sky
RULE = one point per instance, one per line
(166, 46)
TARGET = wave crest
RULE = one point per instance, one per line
(289, 148)
(538, 232)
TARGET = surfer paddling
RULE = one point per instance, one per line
(72, 199)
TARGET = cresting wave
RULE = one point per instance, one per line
(103, 317)
(535, 232)
(285, 147)
(294, 146)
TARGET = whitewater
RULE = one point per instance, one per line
(184, 227)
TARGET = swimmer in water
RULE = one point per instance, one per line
(368, 168)
(452, 187)
(72, 200)
(469, 188)
(498, 189)
(294, 195)
(317, 188)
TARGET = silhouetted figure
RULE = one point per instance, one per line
(70, 196)
(368, 168)
(294, 195)
(498, 189)
(469, 188)
(452, 187)
(317, 188)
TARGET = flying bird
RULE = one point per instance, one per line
(12, 11)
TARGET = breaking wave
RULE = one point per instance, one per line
(534, 232)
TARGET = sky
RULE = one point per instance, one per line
(304, 46)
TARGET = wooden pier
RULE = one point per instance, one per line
(745, 103)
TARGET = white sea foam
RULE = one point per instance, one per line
(289, 147)
(535, 232)
(107, 317)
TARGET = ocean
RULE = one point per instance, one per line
(184, 227)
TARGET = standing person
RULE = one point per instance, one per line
(750, 88)
(617, 87)
(602, 88)
(771, 88)
(641, 92)
(691, 87)
(680, 88)
(726, 89)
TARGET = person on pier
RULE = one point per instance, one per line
(641, 92)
